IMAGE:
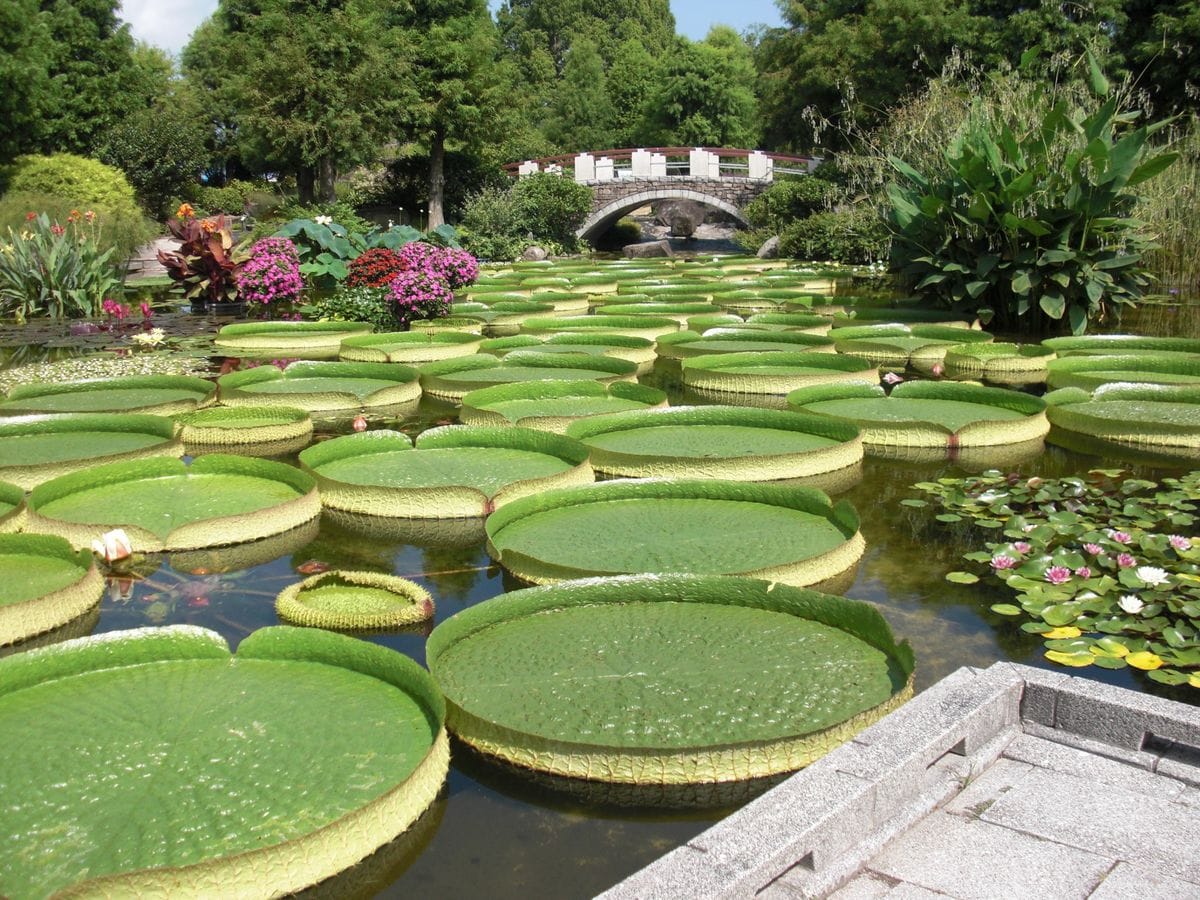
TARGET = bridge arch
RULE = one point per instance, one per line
(605, 217)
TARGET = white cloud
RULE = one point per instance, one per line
(166, 23)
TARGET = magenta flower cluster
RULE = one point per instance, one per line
(272, 273)
(417, 294)
(457, 268)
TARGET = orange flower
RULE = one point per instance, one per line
(185, 211)
(90, 215)
(74, 216)
(209, 226)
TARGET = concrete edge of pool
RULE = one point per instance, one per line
(1001, 782)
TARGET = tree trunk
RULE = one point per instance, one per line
(328, 175)
(437, 177)
(304, 185)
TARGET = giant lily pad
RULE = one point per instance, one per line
(504, 317)
(688, 344)
(1163, 420)
(12, 508)
(666, 679)
(166, 505)
(1090, 372)
(854, 315)
(47, 583)
(803, 322)
(38, 448)
(409, 347)
(1120, 344)
(451, 379)
(781, 533)
(929, 414)
(680, 311)
(636, 350)
(162, 395)
(454, 472)
(632, 326)
(297, 340)
(340, 600)
(717, 442)
(897, 347)
(266, 430)
(773, 373)
(999, 363)
(183, 765)
(322, 386)
(553, 405)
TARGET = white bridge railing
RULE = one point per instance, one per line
(667, 162)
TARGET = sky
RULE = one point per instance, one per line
(169, 23)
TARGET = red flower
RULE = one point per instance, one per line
(57, 230)
(312, 567)
(30, 216)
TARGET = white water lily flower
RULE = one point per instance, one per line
(1152, 575)
(1131, 603)
(323, 220)
(113, 545)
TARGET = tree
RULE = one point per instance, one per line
(1161, 45)
(24, 78)
(161, 151)
(454, 79)
(705, 94)
(582, 114)
(317, 85)
(631, 79)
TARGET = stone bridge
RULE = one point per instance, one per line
(625, 180)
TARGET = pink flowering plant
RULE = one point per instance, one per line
(1105, 568)
(457, 268)
(271, 274)
(418, 294)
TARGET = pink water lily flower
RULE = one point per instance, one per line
(892, 378)
(1058, 574)
(1083, 572)
(1121, 537)
(1180, 543)
(1093, 549)
(1000, 562)
(1126, 561)
(113, 545)
(1022, 547)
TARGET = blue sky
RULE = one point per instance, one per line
(169, 23)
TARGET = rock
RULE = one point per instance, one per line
(769, 249)
(534, 254)
(648, 250)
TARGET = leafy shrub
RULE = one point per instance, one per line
(161, 151)
(552, 207)
(374, 268)
(784, 202)
(355, 304)
(1030, 220)
(123, 230)
(88, 183)
(857, 235)
(271, 274)
(206, 263)
(55, 270)
(417, 294)
(234, 197)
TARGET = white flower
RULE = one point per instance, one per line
(113, 545)
(1131, 603)
(324, 220)
(151, 338)
(1152, 575)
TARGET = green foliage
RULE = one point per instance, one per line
(582, 111)
(24, 79)
(1170, 207)
(233, 197)
(1030, 220)
(1102, 566)
(85, 182)
(856, 235)
(161, 151)
(787, 200)
(355, 304)
(124, 229)
(538, 209)
(206, 264)
(56, 271)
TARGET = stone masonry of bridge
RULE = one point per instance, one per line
(618, 197)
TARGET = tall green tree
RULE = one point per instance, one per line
(317, 84)
(454, 78)
(581, 117)
(704, 94)
(24, 77)
(631, 79)
(1161, 46)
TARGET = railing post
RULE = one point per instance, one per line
(604, 169)
(528, 168)
(658, 165)
(698, 163)
(585, 168)
(640, 164)
(714, 166)
(758, 166)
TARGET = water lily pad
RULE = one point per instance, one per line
(680, 311)
(162, 395)
(672, 679)
(782, 533)
(409, 347)
(999, 363)
(296, 340)
(322, 386)
(451, 379)
(688, 344)
(553, 405)
(896, 346)
(341, 600)
(47, 583)
(717, 442)
(259, 427)
(166, 505)
(929, 414)
(1163, 420)
(1090, 372)
(37, 448)
(773, 373)
(453, 472)
(1120, 344)
(150, 737)
(632, 326)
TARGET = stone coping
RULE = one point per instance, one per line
(992, 775)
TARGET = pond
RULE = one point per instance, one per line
(493, 834)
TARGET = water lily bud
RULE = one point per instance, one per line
(113, 545)
(938, 370)
(360, 423)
